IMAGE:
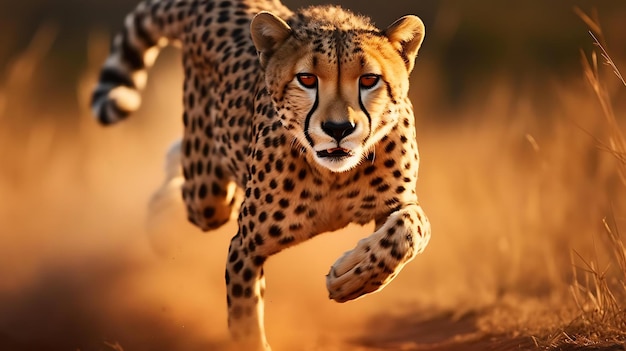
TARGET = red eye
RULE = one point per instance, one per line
(307, 80)
(368, 81)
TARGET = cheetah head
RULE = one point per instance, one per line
(338, 83)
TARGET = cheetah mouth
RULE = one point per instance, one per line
(334, 153)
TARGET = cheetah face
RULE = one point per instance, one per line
(338, 109)
(338, 91)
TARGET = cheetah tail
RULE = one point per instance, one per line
(152, 25)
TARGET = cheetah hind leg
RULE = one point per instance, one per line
(377, 259)
(162, 198)
(166, 204)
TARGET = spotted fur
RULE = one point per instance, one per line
(298, 123)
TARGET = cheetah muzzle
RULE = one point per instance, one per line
(295, 124)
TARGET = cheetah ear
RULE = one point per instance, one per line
(268, 33)
(406, 34)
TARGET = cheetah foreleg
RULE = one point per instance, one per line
(377, 259)
(245, 285)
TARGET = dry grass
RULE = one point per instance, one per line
(511, 192)
(599, 286)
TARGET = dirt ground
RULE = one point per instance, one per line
(84, 269)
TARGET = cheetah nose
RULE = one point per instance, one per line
(338, 130)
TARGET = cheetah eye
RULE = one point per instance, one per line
(307, 80)
(368, 81)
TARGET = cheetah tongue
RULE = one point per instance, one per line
(334, 152)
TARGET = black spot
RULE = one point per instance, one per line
(300, 209)
(385, 243)
(202, 191)
(220, 33)
(275, 231)
(187, 148)
(252, 209)
(208, 212)
(233, 256)
(353, 194)
(286, 240)
(284, 203)
(237, 290)
(376, 181)
(383, 188)
(369, 198)
(295, 227)
(369, 170)
(258, 239)
(368, 206)
(238, 266)
(216, 189)
(389, 148)
(390, 163)
(247, 274)
(258, 261)
(191, 100)
(258, 155)
(219, 173)
(288, 185)
(302, 174)
(395, 254)
(279, 215)
(392, 201)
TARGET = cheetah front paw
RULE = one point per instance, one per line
(360, 271)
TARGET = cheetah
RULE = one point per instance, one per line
(295, 123)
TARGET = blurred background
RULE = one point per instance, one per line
(528, 42)
(521, 164)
